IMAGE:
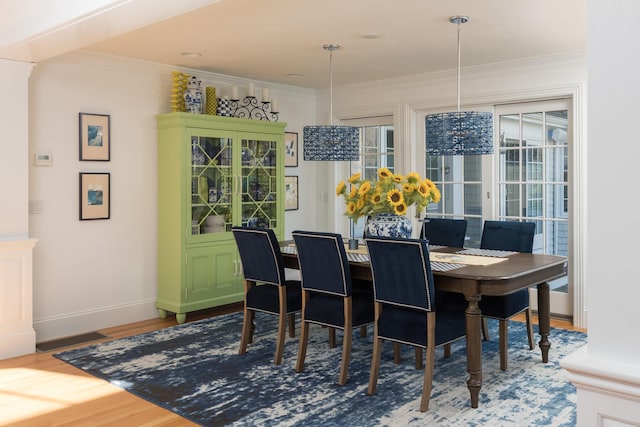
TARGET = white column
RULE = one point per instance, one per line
(606, 372)
(17, 335)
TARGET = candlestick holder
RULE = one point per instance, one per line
(251, 108)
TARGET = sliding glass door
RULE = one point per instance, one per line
(526, 179)
(532, 154)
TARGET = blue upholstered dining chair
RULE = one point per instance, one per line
(405, 305)
(328, 297)
(444, 231)
(265, 287)
(507, 236)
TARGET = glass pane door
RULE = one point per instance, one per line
(211, 184)
(259, 183)
(533, 173)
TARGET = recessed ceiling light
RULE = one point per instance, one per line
(191, 54)
(371, 36)
(295, 76)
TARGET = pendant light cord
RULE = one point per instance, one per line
(331, 87)
(459, 24)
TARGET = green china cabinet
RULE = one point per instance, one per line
(213, 173)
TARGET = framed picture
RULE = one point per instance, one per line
(291, 149)
(290, 193)
(95, 195)
(95, 137)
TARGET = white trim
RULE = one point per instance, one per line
(82, 321)
(17, 336)
(608, 393)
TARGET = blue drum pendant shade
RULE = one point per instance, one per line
(462, 132)
(331, 143)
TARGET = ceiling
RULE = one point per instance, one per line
(281, 41)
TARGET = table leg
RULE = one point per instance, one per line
(474, 348)
(544, 310)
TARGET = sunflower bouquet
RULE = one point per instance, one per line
(391, 193)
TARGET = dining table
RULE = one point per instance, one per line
(474, 273)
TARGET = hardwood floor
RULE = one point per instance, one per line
(40, 390)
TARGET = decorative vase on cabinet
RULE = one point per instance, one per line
(205, 187)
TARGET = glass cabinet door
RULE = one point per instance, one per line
(211, 184)
(259, 183)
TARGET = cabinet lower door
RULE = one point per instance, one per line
(213, 277)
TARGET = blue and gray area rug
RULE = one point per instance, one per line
(195, 371)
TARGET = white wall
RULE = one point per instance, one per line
(94, 274)
(607, 371)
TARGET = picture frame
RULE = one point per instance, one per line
(291, 149)
(95, 137)
(291, 193)
(95, 195)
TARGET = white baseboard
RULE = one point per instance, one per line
(17, 343)
(81, 322)
(608, 395)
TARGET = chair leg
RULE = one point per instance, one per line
(397, 354)
(282, 331)
(375, 365)
(346, 341)
(529, 317)
(292, 325)
(332, 337)
(346, 354)
(363, 331)
(430, 363)
(485, 329)
(418, 352)
(247, 330)
(302, 348)
(504, 343)
(447, 350)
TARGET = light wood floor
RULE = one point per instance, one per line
(40, 390)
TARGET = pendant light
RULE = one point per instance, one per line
(332, 143)
(462, 132)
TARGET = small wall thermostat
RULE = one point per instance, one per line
(43, 159)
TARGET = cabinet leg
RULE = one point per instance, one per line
(181, 317)
(162, 313)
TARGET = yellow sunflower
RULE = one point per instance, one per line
(360, 204)
(340, 189)
(384, 173)
(354, 178)
(398, 178)
(424, 188)
(413, 178)
(354, 191)
(395, 197)
(364, 188)
(435, 194)
(400, 209)
(351, 208)
(377, 198)
(407, 188)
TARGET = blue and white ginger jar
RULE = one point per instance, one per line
(388, 225)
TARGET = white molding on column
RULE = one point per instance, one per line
(17, 336)
(608, 393)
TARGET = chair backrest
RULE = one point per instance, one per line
(402, 272)
(324, 266)
(508, 236)
(444, 231)
(260, 254)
